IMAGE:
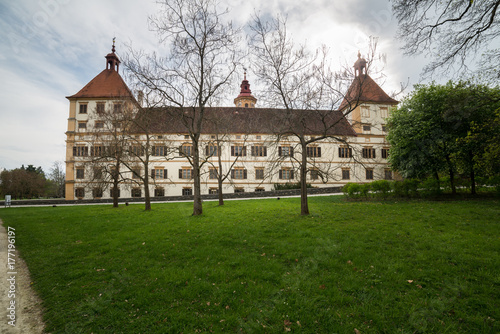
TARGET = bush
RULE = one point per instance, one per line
(430, 187)
(494, 181)
(406, 188)
(381, 188)
(365, 189)
(352, 190)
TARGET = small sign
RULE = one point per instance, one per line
(8, 200)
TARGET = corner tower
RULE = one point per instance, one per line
(245, 99)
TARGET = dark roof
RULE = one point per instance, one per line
(365, 89)
(249, 121)
(107, 84)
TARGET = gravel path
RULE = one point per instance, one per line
(19, 305)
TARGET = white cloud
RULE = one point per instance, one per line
(50, 49)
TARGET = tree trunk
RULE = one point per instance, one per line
(304, 206)
(147, 196)
(452, 175)
(219, 175)
(197, 205)
(115, 193)
(472, 174)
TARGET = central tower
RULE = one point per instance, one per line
(245, 99)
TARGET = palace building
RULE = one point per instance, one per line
(105, 149)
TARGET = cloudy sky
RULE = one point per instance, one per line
(50, 49)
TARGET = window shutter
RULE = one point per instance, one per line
(373, 150)
(265, 151)
(279, 151)
(244, 151)
(180, 173)
(232, 173)
(232, 151)
(253, 151)
(152, 173)
(207, 150)
(319, 152)
(245, 174)
(74, 151)
(350, 153)
(281, 174)
(291, 151)
(291, 174)
(191, 173)
(340, 152)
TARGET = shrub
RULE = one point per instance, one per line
(430, 187)
(381, 188)
(352, 190)
(365, 189)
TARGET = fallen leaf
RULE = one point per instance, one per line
(356, 331)
(410, 281)
(322, 287)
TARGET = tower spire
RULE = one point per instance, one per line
(360, 66)
(112, 61)
(245, 99)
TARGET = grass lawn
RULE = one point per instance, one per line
(259, 267)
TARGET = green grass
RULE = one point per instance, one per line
(259, 267)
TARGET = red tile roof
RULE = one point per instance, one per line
(365, 89)
(107, 84)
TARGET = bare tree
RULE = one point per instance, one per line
(452, 32)
(57, 177)
(303, 85)
(202, 57)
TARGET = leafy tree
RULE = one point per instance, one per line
(445, 129)
(23, 183)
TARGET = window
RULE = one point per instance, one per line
(285, 151)
(137, 150)
(136, 192)
(158, 173)
(212, 150)
(97, 192)
(384, 127)
(212, 173)
(238, 174)
(387, 174)
(186, 173)
(99, 125)
(346, 174)
(314, 174)
(239, 190)
(187, 191)
(159, 192)
(286, 174)
(238, 151)
(259, 151)
(259, 189)
(83, 108)
(186, 136)
(313, 152)
(259, 173)
(369, 173)
(100, 108)
(117, 107)
(80, 151)
(213, 191)
(80, 173)
(117, 124)
(367, 128)
(97, 173)
(136, 173)
(383, 112)
(111, 192)
(238, 136)
(186, 149)
(79, 193)
(258, 137)
(365, 111)
(82, 125)
(345, 152)
(97, 151)
(385, 153)
(159, 151)
(368, 153)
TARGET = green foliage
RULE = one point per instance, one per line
(289, 186)
(405, 267)
(381, 188)
(430, 187)
(447, 129)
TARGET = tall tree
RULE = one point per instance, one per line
(451, 32)
(57, 178)
(303, 85)
(444, 129)
(202, 57)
